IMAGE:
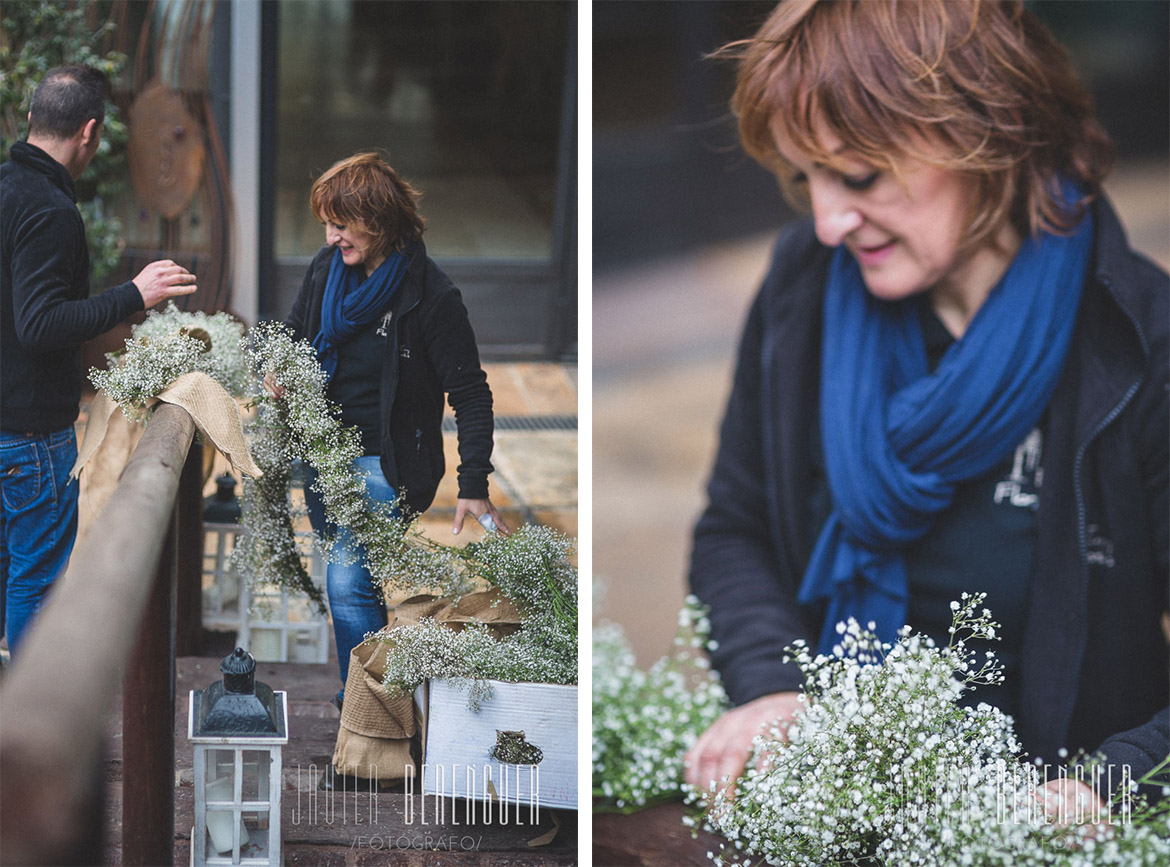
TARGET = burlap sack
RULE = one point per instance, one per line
(487, 606)
(383, 760)
(216, 415)
(110, 439)
(374, 739)
(369, 709)
(376, 728)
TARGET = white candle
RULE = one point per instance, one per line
(219, 823)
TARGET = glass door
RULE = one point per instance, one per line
(474, 103)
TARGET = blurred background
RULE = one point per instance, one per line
(683, 221)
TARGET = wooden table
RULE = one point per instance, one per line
(654, 836)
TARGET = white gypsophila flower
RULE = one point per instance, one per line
(224, 361)
(305, 424)
(883, 766)
(530, 567)
(167, 345)
(645, 721)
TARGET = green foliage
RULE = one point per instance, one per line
(35, 36)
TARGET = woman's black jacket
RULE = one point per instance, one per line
(430, 350)
(1094, 670)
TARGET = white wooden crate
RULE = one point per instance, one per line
(458, 742)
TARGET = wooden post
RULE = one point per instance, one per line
(53, 702)
(148, 723)
(654, 836)
(189, 511)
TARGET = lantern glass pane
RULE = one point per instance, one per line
(221, 584)
(221, 771)
(256, 773)
(303, 645)
(218, 838)
(256, 823)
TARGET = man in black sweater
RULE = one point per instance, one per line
(46, 313)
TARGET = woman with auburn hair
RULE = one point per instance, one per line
(392, 334)
(954, 378)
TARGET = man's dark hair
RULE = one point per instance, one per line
(66, 98)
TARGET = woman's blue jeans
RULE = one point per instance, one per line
(38, 522)
(356, 604)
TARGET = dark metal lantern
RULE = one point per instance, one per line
(238, 728)
(222, 507)
(238, 705)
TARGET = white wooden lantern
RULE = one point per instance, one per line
(221, 584)
(273, 625)
(277, 625)
(238, 728)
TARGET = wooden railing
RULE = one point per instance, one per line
(112, 613)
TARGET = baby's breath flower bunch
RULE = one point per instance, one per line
(167, 345)
(883, 766)
(267, 551)
(305, 424)
(532, 569)
(645, 721)
(225, 362)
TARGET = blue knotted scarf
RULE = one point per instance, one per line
(898, 439)
(351, 302)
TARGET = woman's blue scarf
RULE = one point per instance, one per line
(351, 302)
(898, 439)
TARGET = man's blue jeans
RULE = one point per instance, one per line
(38, 521)
(355, 603)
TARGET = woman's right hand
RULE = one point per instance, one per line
(723, 749)
(277, 391)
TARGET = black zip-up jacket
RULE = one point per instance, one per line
(1094, 668)
(430, 351)
(45, 309)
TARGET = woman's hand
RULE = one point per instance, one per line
(1070, 801)
(478, 509)
(723, 749)
(277, 391)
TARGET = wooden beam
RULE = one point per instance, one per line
(54, 700)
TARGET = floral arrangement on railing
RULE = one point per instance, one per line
(304, 424)
(645, 721)
(531, 567)
(165, 346)
(883, 766)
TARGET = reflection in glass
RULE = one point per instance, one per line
(464, 97)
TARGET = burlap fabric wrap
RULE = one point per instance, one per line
(110, 438)
(374, 740)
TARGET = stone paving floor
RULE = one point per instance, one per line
(536, 470)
